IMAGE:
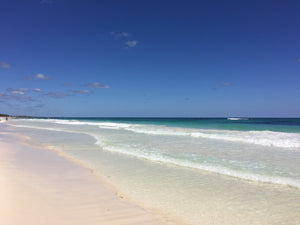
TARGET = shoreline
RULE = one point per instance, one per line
(42, 186)
(176, 195)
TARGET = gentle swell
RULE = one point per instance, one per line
(163, 158)
(264, 138)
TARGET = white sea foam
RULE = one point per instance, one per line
(264, 138)
(105, 125)
(235, 118)
(164, 158)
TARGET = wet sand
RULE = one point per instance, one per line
(38, 186)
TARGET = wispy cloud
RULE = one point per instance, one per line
(131, 44)
(225, 84)
(18, 89)
(18, 93)
(40, 76)
(4, 96)
(4, 65)
(81, 91)
(125, 35)
(56, 95)
(37, 90)
(119, 35)
(15, 96)
(96, 85)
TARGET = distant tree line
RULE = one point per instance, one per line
(6, 115)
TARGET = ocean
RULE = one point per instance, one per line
(197, 170)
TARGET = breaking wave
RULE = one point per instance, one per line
(181, 161)
(264, 138)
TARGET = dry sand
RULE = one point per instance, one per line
(39, 187)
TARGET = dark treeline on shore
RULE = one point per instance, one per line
(6, 115)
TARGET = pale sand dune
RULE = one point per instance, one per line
(38, 187)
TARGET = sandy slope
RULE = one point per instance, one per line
(39, 187)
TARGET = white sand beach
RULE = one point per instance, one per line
(37, 186)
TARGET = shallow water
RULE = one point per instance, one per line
(198, 174)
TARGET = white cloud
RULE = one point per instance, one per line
(131, 44)
(40, 76)
(125, 35)
(37, 90)
(96, 85)
(5, 96)
(81, 91)
(18, 93)
(15, 96)
(4, 65)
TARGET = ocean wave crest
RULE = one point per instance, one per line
(263, 138)
(165, 158)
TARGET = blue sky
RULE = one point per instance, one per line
(150, 58)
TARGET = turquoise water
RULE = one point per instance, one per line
(215, 161)
(242, 124)
(258, 149)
